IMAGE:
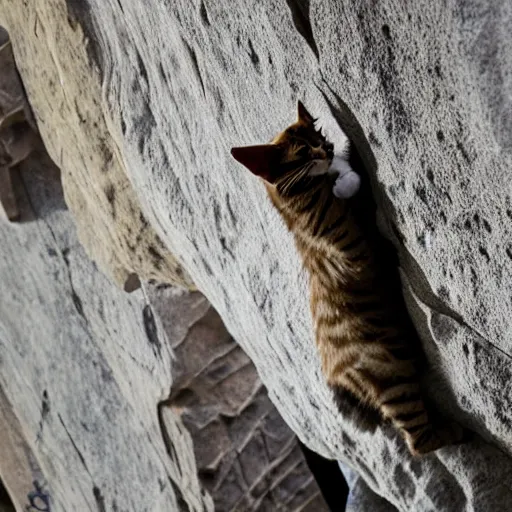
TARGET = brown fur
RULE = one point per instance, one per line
(362, 329)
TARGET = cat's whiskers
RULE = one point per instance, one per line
(298, 175)
(320, 166)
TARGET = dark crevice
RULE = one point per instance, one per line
(110, 194)
(143, 72)
(100, 500)
(195, 64)
(182, 504)
(79, 12)
(252, 52)
(203, 12)
(156, 257)
(361, 157)
(6, 504)
(225, 247)
(151, 330)
(301, 19)
(329, 478)
(79, 453)
(77, 301)
(45, 410)
(232, 215)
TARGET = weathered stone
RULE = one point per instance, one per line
(80, 380)
(242, 445)
(114, 231)
(424, 92)
(17, 136)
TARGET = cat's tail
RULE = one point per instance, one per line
(404, 406)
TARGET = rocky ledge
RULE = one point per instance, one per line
(139, 107)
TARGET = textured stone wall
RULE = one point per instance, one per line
(424, 91)
(256, 462)
(247, 457)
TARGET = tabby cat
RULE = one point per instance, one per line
(361, 329)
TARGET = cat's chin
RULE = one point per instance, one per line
(320, 167)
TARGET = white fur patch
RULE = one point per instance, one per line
(348, 182)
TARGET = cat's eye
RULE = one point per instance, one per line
(303, 151)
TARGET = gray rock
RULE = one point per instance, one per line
(17, 136)
(425, 93)
(245, 453)
(84, 369)
(79, 379)
(207, 364)
(114, 231)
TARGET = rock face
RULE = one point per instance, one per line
(85, 372)
(424, 91)
(94, 181)
(256, 463)
(247, 457)
(80, 377)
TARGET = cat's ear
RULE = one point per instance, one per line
(304, 116)
(261, 160)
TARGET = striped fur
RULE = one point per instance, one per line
(361, 329)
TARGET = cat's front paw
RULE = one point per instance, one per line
(348, 182)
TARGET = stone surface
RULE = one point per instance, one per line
(83, 366)
(257, 456)
(423, 89)
(114, 231)
(96, 415)
(247, 457)
(17, 130)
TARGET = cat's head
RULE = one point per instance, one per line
(300, 149)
